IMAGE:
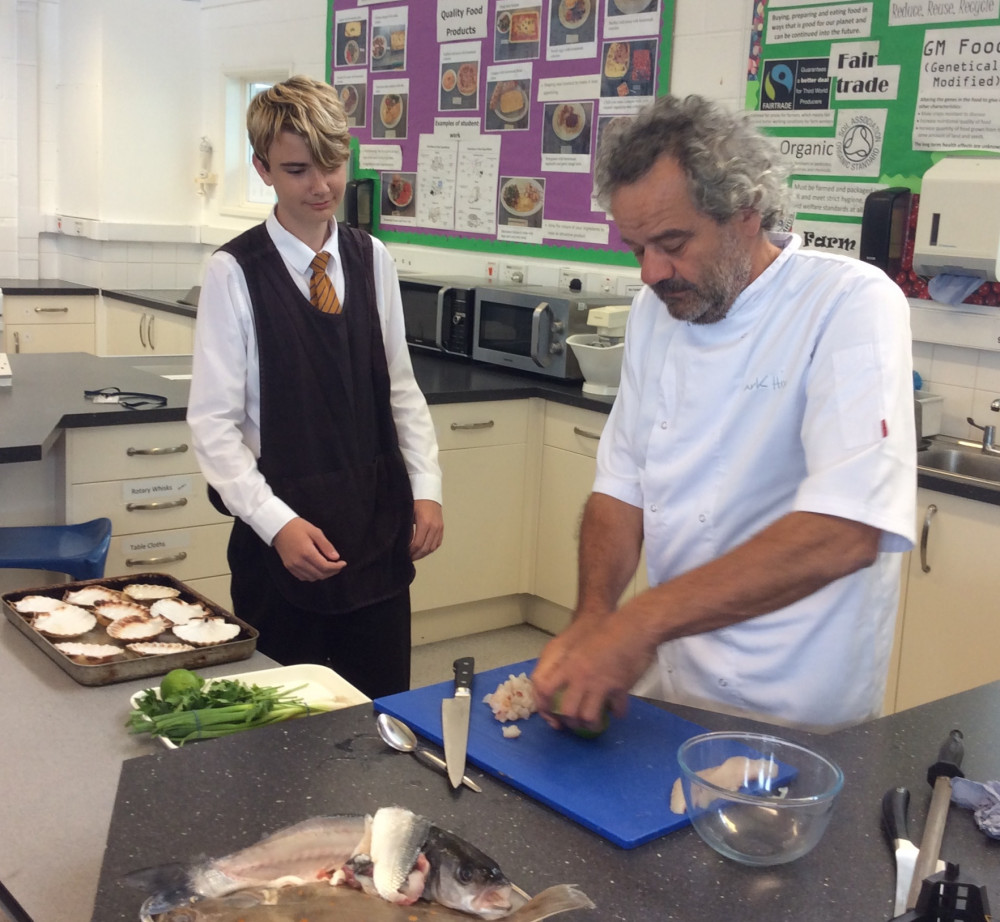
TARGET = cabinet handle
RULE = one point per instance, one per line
(583, 433)
(924, 565)
(17, 341)
(165, 504)
(142, 330)
(154, 561)
(487, 425)
(149, 332)
(169, 450)
(51, 310)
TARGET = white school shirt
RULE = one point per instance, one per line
(224, 403)
(799, 399)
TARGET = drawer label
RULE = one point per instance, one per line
(152, 489)
(155, 541)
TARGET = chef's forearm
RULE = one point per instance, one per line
(788, 560)
(610, 543)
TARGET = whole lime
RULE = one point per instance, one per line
(583, 732)
(178, 682)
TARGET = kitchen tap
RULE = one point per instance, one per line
(989, 432)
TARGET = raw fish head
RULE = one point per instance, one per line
(464, 878)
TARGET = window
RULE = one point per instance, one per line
(243, 192)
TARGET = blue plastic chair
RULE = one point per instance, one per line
(77, 550)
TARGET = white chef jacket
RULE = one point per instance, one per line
(224, 403)
(799, 399)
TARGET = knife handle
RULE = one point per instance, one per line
(465, 669)
(949, 760)
(895, 803)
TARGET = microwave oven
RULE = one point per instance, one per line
(437, 313)
(526, 328)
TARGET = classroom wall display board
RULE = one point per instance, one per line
(865, 96)
(479, 120)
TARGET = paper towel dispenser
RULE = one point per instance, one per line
(958, 223)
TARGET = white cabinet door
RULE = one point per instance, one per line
(130, 329)
(484, 464)
(948, 635)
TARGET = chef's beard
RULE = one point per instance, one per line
(709, 301)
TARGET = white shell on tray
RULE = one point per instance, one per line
(133, 628)
(313, 684)
(177, 611)
(158, 648)
(109, 612)
(65, 622)
(90, 653)
(33, 604)
(148, 592)
(206, 632)
(91, 595)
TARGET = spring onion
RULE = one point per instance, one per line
(193, 709)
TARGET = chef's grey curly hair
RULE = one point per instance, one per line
(729, 165)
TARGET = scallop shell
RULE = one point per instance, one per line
(91, 595)
(177, 611)
(158, 648)
(147, 592)
(33, 604)
(89, 653)
(109, 612)
(65, 621)
(132, 628)
(206, 632)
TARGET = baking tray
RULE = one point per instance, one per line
(314, 684)
(130, 665)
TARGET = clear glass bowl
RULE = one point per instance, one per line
(757, 799)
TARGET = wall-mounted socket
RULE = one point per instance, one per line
(600, 283)
(492, 270)
(566, 277)
(513, 273)
(404, 263)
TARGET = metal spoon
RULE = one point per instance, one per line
(401, 737)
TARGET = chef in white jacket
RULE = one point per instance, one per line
(761, 448)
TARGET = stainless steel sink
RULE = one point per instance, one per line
(959, 463)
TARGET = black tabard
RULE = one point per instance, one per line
(328, 441)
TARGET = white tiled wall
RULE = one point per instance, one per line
(967, 379)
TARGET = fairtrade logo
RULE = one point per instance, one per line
(780, 74)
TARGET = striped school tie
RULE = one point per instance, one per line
(321, 291)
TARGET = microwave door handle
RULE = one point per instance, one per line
(438, 338)
(536, 334)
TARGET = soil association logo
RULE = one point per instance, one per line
(859, 143)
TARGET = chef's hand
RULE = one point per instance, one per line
(592, 665)
(306, 552)
(428, 528)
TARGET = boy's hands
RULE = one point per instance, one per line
(428, 528)
(305, 551)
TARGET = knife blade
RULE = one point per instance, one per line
(455, 719)
(939, 775)
(895, 803)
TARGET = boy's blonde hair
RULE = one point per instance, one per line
(306, 107)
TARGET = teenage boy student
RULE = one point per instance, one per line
(305, 415)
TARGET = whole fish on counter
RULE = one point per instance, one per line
(395, 855)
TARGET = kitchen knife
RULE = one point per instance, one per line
(939, 776)
(455, 719)
(895, 803)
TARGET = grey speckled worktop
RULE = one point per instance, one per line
(214, 798)
(44, 287)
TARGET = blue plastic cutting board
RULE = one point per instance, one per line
(617, 785)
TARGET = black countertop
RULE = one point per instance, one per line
(44, 287)
(46, 395)
(213, 798)
(162, 299)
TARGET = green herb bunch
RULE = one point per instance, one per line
(186, 707)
